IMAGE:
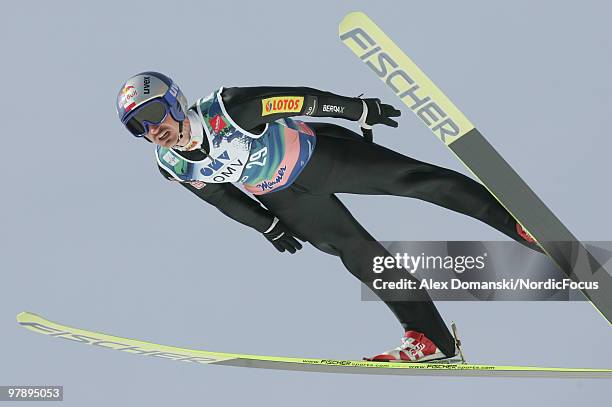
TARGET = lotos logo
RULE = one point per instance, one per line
(128, 93)
(282, 104)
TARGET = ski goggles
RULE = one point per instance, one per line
(152, 112)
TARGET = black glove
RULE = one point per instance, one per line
(280, 236)
(375, 112)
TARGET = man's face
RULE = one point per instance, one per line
(165, 134)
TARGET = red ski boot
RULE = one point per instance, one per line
(415, 347)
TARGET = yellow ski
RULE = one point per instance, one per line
(39, 324)
(445, 120)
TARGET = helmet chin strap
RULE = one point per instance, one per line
(180, 130)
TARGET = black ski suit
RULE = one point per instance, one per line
(343, 162)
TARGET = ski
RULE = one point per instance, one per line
(41, 325)
(373, 47)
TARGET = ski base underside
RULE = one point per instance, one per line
(41, 325)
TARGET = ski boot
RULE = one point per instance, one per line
(415, 347)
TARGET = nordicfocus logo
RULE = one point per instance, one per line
(147, 85)
(418, 98)
(283, 104)
(333, 109)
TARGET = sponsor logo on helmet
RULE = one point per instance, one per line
(174, 89)
(282, 104)
(147, 85)
(127, 97)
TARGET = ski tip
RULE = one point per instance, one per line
(355, 14)
(352, 15)
(25, 315)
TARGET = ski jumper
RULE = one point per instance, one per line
(306, 164)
